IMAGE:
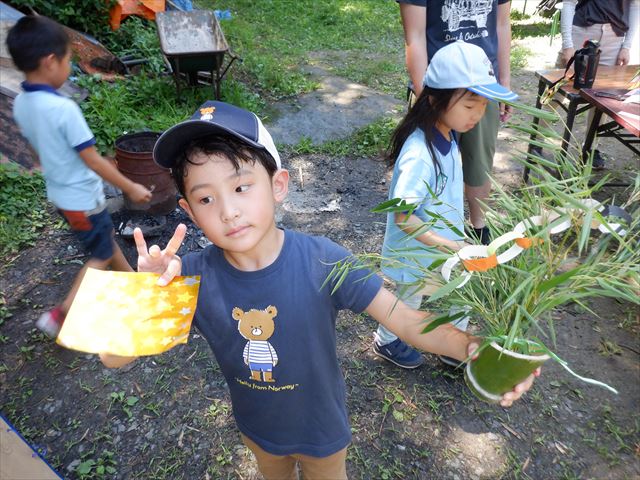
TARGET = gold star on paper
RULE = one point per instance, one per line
(166, 325)
(145, 294)
(184, 297)
(161, 305)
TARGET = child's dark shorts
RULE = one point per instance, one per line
(94, 230)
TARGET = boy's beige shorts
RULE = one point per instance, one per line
(284, 467)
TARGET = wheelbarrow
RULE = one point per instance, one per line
(193, 42)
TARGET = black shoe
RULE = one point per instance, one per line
(482, 235)
(597, 161)
(452, 362)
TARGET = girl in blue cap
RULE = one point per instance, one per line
(427, 174)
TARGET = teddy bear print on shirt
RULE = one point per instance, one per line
(257, 326)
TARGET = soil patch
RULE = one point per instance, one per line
(419, 424)
(335, 110)
(169, 417)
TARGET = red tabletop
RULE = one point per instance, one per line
(616, 109)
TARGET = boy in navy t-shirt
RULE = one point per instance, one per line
(263, 306)
(73, 169)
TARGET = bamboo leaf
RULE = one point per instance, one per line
(441, 320)
(446, 289)
(557, 280)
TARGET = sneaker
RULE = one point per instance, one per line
(452, 362)
(462, 324)
(51, 322)
(482, 235)
(597, 161)
(399, 353)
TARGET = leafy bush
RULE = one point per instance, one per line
(138, 38)
(143, 102)
(91, 16)
(22, 208)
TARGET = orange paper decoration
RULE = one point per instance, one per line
(142, 8)
(480, 264)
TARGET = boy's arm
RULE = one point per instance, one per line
(411, 223)
(503, 28)
(107, 170)
(414, 24)
(631, 37)
(566, 29)
(408, 324)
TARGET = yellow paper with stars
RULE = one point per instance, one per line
(128, 314)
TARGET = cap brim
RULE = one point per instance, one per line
(494, 91)
(173, 141)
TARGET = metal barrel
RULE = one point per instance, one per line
(134, 157)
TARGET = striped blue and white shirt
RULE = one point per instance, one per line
(259, 351)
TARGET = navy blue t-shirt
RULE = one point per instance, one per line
(472, 21)
(273, 334)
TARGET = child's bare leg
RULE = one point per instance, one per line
(477, 197)
(118, 261)
(92, 263)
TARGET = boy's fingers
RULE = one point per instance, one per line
(141, 245)
(472, 348)
(154, 251)
(176, 240)
(505, 403)
(172, 270)
(523, 387)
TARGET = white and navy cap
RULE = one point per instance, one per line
(213, 118)
(465, 65)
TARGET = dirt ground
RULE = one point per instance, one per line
(169, 417)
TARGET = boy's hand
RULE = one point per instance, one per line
(509, 397)
(165, 262)
(505, 112)
(567, 54)
(115, 361)
(139, 193)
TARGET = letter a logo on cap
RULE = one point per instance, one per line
(207, 113)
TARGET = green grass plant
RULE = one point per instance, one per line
(515, 301)
(519, 57)
(276, 38)
(90, 16)
(137, 38)
(368, 141)
(145, 102)
(23, 208)
(525, 25)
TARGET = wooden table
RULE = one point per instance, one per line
(624, 128)
(571, 101)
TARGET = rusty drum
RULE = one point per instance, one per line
(134, 156)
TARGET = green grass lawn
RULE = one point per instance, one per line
(276, 37)
(360, 40)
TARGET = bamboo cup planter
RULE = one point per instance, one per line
(497, 370)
